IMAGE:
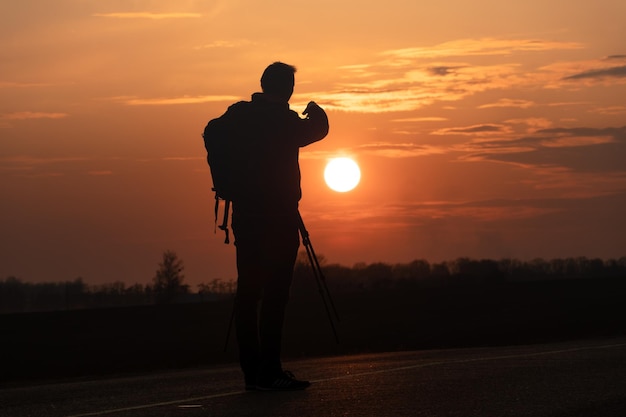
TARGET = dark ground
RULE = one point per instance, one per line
(565, 379)
(80, 343)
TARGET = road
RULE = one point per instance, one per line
(569, 379)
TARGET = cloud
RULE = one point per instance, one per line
(71, 166)
(617, 133)
(32, 115)
(568, 103)
(444, 70)
(167, 101)
(420, 119)
(611, 110)
(586, 73)
(371, 100)
(507, 102)
(503, 209)
(404, 215)
(13, 84)
(183, 158)
(411, 78)
(398, 150)
(32, 160)
(575, 141)
(471, 130)
(415, 86)
(532, 123)
(602, 73)
(479, 47)
(31, 166)
(226, 44)
(382, 149)
(148, 15)
(599, 150)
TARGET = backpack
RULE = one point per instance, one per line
(220, 160)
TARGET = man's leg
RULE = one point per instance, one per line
(272, 314)
(249, 290)
(283, 243)
(266, 255)
(276, 293)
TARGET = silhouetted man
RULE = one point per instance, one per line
(267, 136)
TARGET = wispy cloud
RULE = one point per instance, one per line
(398, 150)
(611, 110)
(420, 119)
(31, 166)
(576, 141)
(32, 115)
(582, 136)
(602, 73)
(371, 100)
(148, 15)
(409, 214)
(381, 149)
(410, 78)
(32, 160)
(64, 166)
(167, 101)
(15, 84)
(586, 73)
(444, 70)
(532, 123)
(507, 102)
(472, 130)
(481, 47)
(226, 44)
(416, 88)
(577, 149)
(183, 158)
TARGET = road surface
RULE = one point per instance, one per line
(586, 378)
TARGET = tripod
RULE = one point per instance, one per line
(319, 278)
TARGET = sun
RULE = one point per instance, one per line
(342, 174)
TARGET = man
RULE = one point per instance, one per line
(265, 136)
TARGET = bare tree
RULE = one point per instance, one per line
(168, 280)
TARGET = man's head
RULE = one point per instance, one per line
(278, 80)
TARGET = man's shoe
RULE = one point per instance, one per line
(281, 381)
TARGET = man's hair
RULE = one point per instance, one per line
(278, 79)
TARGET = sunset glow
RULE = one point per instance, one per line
(482, 130)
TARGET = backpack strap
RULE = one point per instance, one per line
(224, 225)
(217, 207)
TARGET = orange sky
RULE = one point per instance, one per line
(483, 129)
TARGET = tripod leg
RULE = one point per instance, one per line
(321, 290)
(318, 275)
(317, 270)
(315, 264)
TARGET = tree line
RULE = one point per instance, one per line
(465, 271)
(168, 286)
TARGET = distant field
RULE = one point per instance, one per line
(129, 339)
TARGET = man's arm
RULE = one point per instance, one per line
(315, 125)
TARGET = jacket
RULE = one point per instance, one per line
(264, 138)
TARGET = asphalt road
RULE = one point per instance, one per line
(586, 378)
